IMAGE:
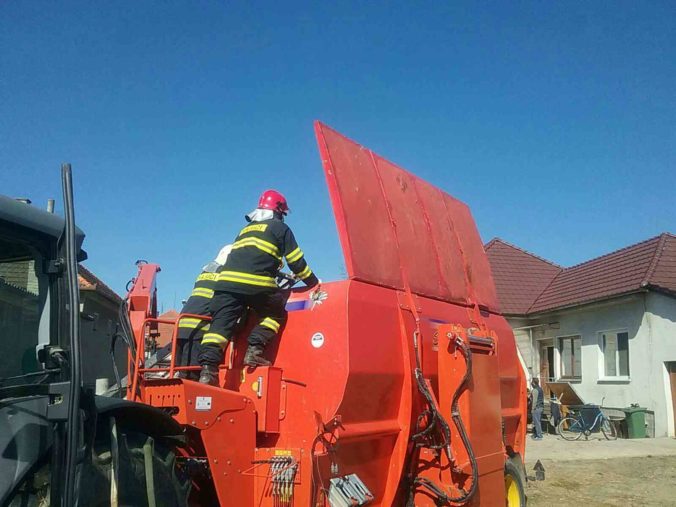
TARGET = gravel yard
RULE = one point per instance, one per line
(598, 472)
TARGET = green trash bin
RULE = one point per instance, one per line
(635, 420)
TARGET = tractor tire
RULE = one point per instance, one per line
(171, 487)
(515, 489)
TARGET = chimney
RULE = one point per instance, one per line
(50, 205)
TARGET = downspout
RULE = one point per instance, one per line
(532, 352)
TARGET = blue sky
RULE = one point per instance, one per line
(554, 121)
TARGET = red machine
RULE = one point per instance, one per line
(400, 387)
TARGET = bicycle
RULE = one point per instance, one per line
(573, 427)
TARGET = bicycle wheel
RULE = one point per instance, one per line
(570, 428)
(608, 429)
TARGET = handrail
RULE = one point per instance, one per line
(141, 352)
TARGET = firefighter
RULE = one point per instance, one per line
(248, 279)
(190, 329)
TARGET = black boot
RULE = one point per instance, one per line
(209, 375)
(254, 357)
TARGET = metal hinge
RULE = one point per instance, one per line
(54, 266)
(59, 401)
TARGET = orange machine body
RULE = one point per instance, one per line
(343, 394)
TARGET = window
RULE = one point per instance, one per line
(570, 350)
(22, 298)
(615, 351)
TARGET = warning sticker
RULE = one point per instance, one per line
(203, 403)
(317, 340)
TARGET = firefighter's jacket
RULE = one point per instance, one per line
(198, 302)
(257, 256)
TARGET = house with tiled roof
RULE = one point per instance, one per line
(20, 293)
(607, 325)
(99, 307)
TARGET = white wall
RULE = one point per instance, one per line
(523, 342)
(661, 319)
(649, 319)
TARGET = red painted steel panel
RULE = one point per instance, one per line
(364, 226)
(398, 230)
(446, 242)
(479, 277)
(416, 248)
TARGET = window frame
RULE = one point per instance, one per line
(602, 356)
(559, 349)
(43, 249)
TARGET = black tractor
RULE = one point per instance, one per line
(60, 444)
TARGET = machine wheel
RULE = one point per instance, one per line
(570, 429)
(171, 488)
(608, 429)
(515, 491)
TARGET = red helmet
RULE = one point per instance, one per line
(271, 199)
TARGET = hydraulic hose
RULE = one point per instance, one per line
(431, 413)
(72, 433)
(457, 419)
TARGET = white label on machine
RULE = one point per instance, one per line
(203, 403)
(317, 340)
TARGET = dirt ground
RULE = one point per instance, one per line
(649, 480)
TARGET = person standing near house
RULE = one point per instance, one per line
(537, 407)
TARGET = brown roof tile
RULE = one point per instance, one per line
(626, 270)
(648, 264)
(165, 331)
(520, 276)
(89, 281)
(663, 272)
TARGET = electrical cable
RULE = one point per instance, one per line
(118, 382)
(127, 334)
(46, 372)
(123, 331)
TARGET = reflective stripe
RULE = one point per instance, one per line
(254, 228)
(207, 276)
(262, 245)
(270, 324)
(203, 292)
(192, 323)
(305, 273)
(247, 278)
(214, 338)
(295, 255)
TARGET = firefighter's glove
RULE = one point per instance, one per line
(317, 296)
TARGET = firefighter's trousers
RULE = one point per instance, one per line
(188, 345)
(227, 307)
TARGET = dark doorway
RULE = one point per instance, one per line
(546, 364)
